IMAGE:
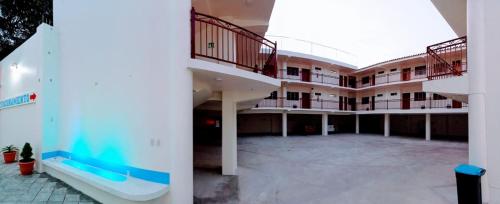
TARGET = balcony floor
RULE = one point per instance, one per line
(342, 168)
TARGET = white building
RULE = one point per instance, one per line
(114, 86)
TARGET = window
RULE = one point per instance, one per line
(394, 94)
(438, 97)
(394, 70)
(365, 80)
(317, 94)
(365, 100)
(420, 70)
(380, 95)
(274, 95)
(292, 96)
(293, 71)
(419, 96)
(317, 68)
(381, 72)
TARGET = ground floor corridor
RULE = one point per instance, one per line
(341, 168)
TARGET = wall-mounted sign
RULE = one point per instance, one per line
(18, 100)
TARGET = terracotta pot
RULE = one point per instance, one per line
(9, 157)
(26, 167)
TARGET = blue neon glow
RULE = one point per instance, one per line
(144, 174)
(96, 171)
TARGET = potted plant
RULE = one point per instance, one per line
(9, 153)
(27, 163)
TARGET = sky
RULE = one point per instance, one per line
(369, 31)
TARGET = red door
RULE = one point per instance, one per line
(306, 75)
(405, 101)
(456, 104)
(306, 100)
(406, 74)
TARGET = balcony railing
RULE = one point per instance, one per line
(322, 78)
(392, 104)
(221, 41)
(447, 59)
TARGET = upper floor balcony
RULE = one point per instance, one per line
(222, 42)
(447, 59)
(405, 103)
(376, 79)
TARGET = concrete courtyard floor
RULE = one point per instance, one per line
(341, 168)
(36, 188)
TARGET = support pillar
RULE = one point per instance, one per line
(428, 126)
(482, 43)
(229, 139)
(284, 124)
(387, 125)
(324, 125)
(357, 124)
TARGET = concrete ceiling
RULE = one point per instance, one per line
(253, 15)
(455, 13)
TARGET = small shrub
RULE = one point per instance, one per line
(27, 153)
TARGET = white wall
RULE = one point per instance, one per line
(126, 92)
(36, 72)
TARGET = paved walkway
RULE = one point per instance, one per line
(36, 188)
(354, 169)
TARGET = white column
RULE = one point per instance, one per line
(284, 124)
(229, 139)
(428, 126)
(387, 125)
(482, 57)
(357, 124)
(324, 125)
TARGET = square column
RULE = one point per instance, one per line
(284, 124)
(357, 124)
(387, 125)
(229, 139)
(324, 125)
(428, 126)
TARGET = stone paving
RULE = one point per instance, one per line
(341, 168)
(36, 188)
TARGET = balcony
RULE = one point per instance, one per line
(307, 76)
(447, 59)
(219, 41)
(333, 105)
(393, 77)
(411, 103)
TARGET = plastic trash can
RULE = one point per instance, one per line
(469, 184)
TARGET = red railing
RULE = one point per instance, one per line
(216, 39)
(392, 104)
(447, 59)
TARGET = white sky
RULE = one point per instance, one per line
(373, 30)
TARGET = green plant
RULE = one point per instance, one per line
(9, 149)
(27, 153)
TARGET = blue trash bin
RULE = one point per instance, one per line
(469, 184)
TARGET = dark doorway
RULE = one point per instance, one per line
(452, 127)
(306, 100)
(372, 103)
(408, 125)
(352, 102)
(304, 124)
(406, 74)
(259, 124)
(371, 124)
(343, 123)
(405, 100)
(306, 75)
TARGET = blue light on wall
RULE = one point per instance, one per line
(96, 171)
